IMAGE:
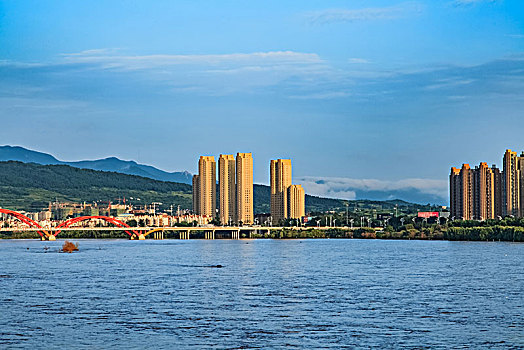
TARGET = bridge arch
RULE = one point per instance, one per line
(25, 220)
(111, 220)
(153, 230)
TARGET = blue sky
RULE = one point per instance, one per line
(364, 96)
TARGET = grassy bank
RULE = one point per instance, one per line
(434, 232)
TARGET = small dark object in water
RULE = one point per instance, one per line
(27, 248)
(5, 276)
(215, 266)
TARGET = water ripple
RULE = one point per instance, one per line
(266, 294)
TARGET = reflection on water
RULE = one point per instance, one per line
(269, 294)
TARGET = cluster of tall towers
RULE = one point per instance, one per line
(235, 188)
(235, 183)
(486, 193)
(287, 200)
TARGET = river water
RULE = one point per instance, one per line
(267, 294)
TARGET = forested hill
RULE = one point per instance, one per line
(30, 186)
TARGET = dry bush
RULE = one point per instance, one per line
(372, 235)
(69, 247)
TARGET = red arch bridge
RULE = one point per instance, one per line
(140, 233)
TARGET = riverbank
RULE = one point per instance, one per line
(435, 232)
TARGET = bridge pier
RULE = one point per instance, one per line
(209, 234)
(159, 235)
(184, 234)
(235, 234)
(48, 238)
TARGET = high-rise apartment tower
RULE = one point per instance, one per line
(521, 181)
(280, 180)
(460, 184)
(475, 194)
(296, 202)
(497, 184)
(244, 185)
(227, 188)
(483, 193)
(196, 195)
(204, 187)
(287, 200)
(511, 183)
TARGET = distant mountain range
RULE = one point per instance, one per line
(112, 164)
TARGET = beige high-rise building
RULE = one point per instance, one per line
(227, 188)
(288, 201)
(296, 202)
(520, 166)
(207, 186)
(483, 193)
(497, 178)
(455, 193)
(487, 193)
(474, 193)
(461, 192)
(280, 180)
(196, 195)
(244, 193)
(511, 184)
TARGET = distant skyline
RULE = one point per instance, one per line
(374, 95)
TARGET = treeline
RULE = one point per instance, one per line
(507, 221)
(490, 233)
(454, 233)
(493, 233)
(434, 232)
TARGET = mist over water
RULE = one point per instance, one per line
(267, 294)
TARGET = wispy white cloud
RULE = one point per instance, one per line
(38, 104)
(357, 60)
(293, 75)
(473, 2)
(211, 74)
(448, 83)
(421, 190)
(112, 59)
(16, 64)
(402, 10)
(322, 95)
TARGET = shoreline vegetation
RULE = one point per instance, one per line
(407, 232)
